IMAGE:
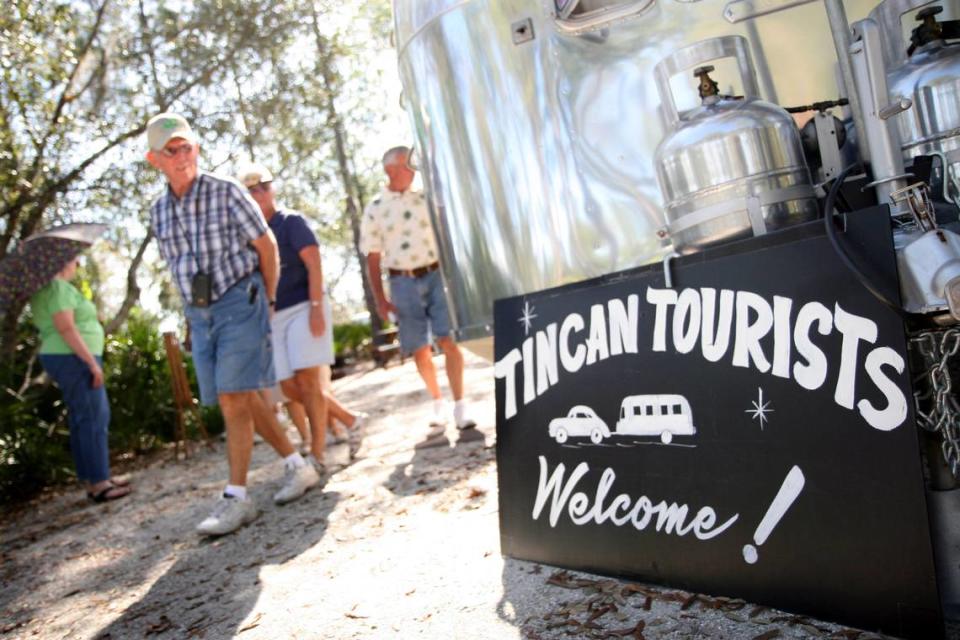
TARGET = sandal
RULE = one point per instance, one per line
(110, 492)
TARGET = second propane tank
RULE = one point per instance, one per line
(732, 167)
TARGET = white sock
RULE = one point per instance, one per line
(235, 491)
(294, 460)
(438, 406)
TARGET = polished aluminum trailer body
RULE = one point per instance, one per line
(536, 134)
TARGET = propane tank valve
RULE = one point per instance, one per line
(928, 31)
(707, 86)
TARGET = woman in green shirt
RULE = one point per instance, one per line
(71, 352)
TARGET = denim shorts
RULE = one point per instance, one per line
(294, 346)
(421, 309)
(232, 349)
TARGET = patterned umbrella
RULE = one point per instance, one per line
(36, 260)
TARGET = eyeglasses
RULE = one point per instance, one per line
(257, 188)
(173, 152)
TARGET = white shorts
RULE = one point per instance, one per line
(294, 347)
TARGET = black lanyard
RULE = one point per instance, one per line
(186, 236)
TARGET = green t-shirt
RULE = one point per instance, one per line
(57, 296)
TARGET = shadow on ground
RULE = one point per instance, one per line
(433, 469)
(179, 603)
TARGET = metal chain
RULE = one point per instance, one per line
(938, 349)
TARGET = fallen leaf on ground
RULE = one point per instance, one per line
(253, 623)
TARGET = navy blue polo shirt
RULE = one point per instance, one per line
(292, 235)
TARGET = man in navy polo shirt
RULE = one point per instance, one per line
(223, 259)
(302, 326)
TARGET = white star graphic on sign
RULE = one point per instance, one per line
(527, 317)
(760, 408)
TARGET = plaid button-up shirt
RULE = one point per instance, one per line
(209, 229)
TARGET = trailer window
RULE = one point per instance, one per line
(574, 8)
(580, 16)
(677, 409)
(649, 410)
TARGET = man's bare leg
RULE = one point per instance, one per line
(453, 360)
(265, 422)
(454, 365)
(315, 403)
(298, 416)
(337, 411)
(239, 423)
(424, 359)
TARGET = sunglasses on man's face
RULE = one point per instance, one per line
(173, 152)
(262, 187)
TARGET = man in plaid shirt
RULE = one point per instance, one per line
(223, 258)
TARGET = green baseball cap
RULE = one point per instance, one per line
(163, 127)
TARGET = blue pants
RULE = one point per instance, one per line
(88, 414)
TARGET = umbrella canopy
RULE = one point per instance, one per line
(36, 260)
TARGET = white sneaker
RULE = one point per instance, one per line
(318, 466)
(359, 421)
(296, 481)
(228, 515)
(439, 418)
(338, 455)
(460, 417)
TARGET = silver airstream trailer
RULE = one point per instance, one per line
(562, 140)
(537, 125)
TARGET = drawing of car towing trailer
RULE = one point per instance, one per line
(664, 415)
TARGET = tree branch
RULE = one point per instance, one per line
(133, 289)
(65, 94)
(144, 28)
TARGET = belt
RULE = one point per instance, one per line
(419, 272)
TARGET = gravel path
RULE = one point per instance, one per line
(403, 543)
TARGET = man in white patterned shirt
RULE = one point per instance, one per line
(224, 261)
(396, 234)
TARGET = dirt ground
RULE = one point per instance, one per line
(403, 543)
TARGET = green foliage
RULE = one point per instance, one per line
(347, 338)
(140, 389)
(138, 384)
(34, 436)
(34, 451)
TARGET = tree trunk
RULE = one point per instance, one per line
(133, 289)
(8, 330)
(352, 206)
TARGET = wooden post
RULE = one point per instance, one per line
(182, 395)
(386, 344)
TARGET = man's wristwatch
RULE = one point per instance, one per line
(272, 303)
(316, 303)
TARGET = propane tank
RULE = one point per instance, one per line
(930, 77)
(733, 167)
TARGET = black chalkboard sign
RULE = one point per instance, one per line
(747, 431)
